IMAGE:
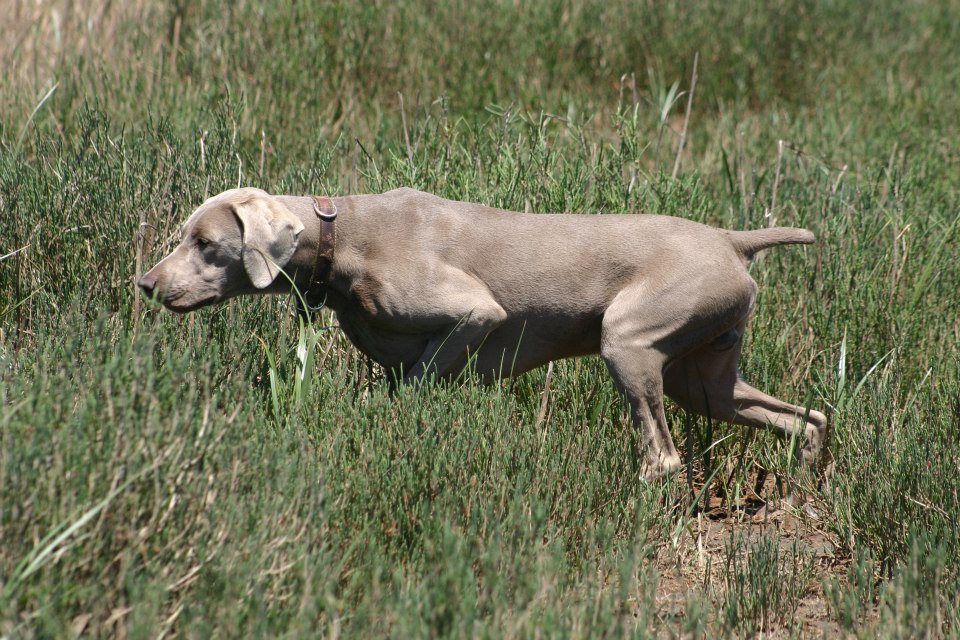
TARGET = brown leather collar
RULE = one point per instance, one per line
(326, 213)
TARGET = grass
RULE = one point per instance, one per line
(164, 475)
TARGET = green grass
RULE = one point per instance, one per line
(164, 475)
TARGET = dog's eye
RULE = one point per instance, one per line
(203, 243)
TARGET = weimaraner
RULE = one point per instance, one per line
(425, 286)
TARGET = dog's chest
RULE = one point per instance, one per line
(387, 348)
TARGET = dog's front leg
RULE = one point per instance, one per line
(458, 312)
(447, 351)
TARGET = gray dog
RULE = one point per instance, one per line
(423, 285)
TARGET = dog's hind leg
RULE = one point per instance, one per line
(706, 381)
(637, 376)
(630, 335)
(644, 331)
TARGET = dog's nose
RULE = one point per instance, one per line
(148, 284)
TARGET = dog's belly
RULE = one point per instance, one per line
(518, 345)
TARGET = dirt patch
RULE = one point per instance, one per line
(709, 561)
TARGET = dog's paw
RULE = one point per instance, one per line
(660, 468)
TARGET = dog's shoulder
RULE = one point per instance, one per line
(408, 192)
(431, 206)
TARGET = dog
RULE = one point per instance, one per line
(426, 286)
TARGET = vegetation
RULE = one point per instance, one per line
(165, 475)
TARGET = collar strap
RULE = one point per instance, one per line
(326, 213)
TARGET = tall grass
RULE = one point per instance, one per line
(199, 475)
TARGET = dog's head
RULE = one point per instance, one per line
(235, 243)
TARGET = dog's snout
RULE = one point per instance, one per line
(148, 284)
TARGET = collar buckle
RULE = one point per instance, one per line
(324, 208)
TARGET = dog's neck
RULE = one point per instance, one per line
(311, 243)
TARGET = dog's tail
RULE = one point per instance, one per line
(750, 242)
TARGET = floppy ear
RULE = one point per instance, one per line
(270, 233)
